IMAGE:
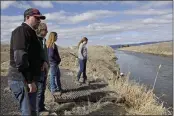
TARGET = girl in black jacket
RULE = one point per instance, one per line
(54, 61)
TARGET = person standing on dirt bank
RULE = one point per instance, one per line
(82, 57)
(25, 62)
(54, 61)
(41, 33)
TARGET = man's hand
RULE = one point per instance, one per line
(32, 87)
(44, 67)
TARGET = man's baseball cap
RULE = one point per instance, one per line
(34, 12)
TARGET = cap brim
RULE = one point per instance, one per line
(41, 17)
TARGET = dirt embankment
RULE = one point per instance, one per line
(102, 64)
(101, 61)
(163, 49)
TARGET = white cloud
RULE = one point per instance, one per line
(87, 2)
(7, 27)
(156, 4)
(22, 4)
(65, 18)
(57, 16)
(129, 2)
(17, 4)
(166, 19)
(8, 24)
(92, 15)
(6, 4)
(147, 11)
(153, 21)
(168, 16)
(9, 19)
(71, 2)
(97, 29)
(43, 4)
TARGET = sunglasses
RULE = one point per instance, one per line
(37, 18)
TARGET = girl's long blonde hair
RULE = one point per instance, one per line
(82, 40)
(52, 38)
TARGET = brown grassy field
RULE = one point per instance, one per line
(101, 64)
(139, 99)
(163, 49)
(5, 53)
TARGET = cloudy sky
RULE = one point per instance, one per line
(102, 22)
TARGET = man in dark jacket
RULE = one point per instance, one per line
(41, 33)
(25, 62)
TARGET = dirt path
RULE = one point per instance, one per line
(9, 106)
(78, 94)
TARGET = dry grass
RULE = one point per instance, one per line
(164, 48)
(5, 49)
(101, 61)
(140, 100)
(102, 65)
(86, 109)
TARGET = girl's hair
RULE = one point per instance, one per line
(82, 40)
(52, 38)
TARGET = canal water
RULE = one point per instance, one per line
(144, 67)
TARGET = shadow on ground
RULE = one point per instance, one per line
(90, 87)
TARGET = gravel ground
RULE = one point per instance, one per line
(9, 105)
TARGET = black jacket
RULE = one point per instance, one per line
(44, 52)
(53, 55)
(25, 55)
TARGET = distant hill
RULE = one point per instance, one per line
(161, 48)
(136, 44)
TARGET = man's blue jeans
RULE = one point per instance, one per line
(82, 69)
(41, 91)
(27, 101)
(55, 83)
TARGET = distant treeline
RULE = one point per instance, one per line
(124, 46)
(136, 44)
